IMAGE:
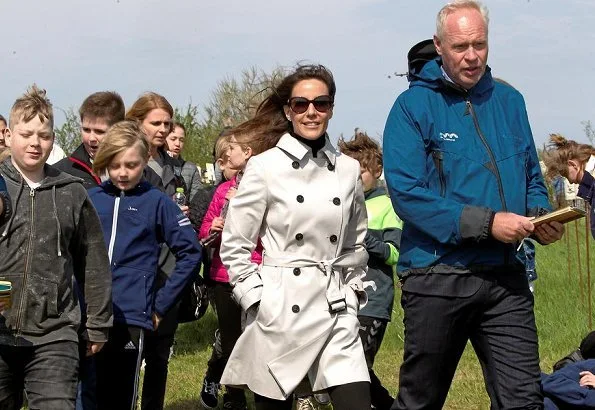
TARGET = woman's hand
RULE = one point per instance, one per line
(587, 379)
(185, 209)
(217, 224)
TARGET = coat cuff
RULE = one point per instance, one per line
(248, 291)
(475, 223)
(97, 335)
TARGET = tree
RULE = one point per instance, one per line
(68, 136)
(589, 131)
(232, 102)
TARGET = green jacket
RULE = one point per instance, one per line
(382, 243)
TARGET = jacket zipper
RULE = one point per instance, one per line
(490, 153)
(27, 262)
(112, 240)
(493, 161)
(437, 155)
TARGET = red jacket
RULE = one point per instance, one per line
(218, 272)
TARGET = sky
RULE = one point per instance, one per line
(183, 48)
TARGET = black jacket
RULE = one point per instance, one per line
(53, 235)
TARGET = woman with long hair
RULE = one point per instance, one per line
(304, 201)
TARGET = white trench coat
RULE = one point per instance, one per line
(311, 218)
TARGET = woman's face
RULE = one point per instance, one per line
(575, 171)
(157, 125)
(126, 169)
(312, 123)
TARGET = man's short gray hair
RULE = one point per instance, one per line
(458, 5)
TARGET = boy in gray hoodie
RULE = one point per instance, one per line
(52, 236)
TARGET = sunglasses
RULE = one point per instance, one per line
(300, 105)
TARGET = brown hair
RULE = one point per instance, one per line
(146, 103)
(222, 146)
(560, 151)
(364, 149)
(105, 105)
(33, 103)
(270, 123)
(118, 138)
(178, 125)
(3, 120)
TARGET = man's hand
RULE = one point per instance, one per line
(511, 228)
(185, 209)
(94, 347)
(156, 320)
(549, 232)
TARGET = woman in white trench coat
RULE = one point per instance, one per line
(304, 200)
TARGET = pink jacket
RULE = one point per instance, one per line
(218, 272)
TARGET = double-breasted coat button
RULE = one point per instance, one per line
(336, 201)
(297, 271)
(295, 164)
(299, 236)
(300, 199)
(333, 238)
(295, 308)
(330, 167)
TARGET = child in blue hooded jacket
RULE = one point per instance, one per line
(4, 201)
(136, 219)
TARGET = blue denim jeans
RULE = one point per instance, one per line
(48, 373)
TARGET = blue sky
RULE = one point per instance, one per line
(182, 48)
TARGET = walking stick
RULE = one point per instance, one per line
(580, 271)
(587, 234)
(568, 253)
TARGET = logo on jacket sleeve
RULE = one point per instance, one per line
(183, 220)
(448, 136)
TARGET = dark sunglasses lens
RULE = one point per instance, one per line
(299, 105)
(322, 105)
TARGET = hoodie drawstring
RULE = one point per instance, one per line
(9, 224)
(57, 219)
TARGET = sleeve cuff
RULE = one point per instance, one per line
(97, 335)
(248, 292)
(476, 223)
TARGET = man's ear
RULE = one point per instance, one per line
(438, 45)
(7, 137)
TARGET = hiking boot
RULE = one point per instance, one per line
(305, 403)
(209, 395)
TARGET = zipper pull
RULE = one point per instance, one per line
(467, 107)
(31, 192)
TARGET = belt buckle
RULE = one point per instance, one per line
(337, 305)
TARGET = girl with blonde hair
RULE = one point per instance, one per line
(136, 219)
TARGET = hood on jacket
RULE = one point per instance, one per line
(53, 178)
(374, 192)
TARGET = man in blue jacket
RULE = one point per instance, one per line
(464, 176)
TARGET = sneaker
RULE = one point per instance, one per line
(322, 398)
(234, 399)
(209, 395)
(305, 403)
(232, 405)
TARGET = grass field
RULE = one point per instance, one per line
(561, 309)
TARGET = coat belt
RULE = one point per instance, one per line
(331, 268)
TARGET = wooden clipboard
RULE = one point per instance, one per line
(562, 215)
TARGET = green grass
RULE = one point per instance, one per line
(561, 310)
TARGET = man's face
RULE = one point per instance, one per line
(30, 144)
(464, 47)
(92, 132)
(3, 131)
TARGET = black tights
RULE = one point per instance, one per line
(350, 396)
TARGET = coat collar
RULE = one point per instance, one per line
(299, 150)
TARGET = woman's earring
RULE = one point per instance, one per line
(288, 118)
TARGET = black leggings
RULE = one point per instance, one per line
(350, 396)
